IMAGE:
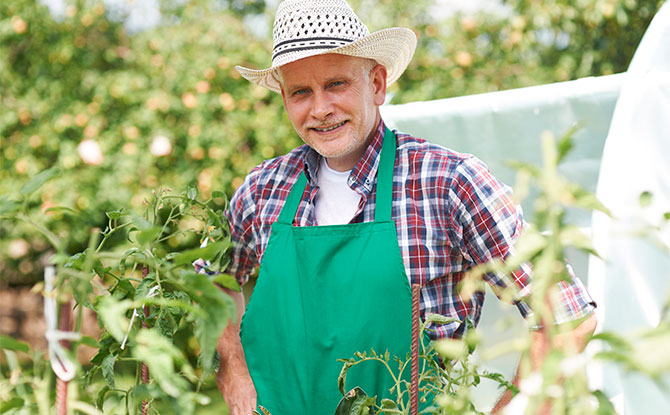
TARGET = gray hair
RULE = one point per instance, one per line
(367, 65)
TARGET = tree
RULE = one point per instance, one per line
(122, 114)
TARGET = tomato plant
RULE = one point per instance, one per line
(154, 310)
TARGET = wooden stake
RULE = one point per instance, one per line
(414, 387)
(62, 385)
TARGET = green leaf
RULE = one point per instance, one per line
(8, 206)
(147, 391)
(125, 286)
(148, 235)
(141, 223)
(356, 402)
(439, 319)
(166, 325)
(89, 341)
(107, 367)
(227, 281)
(177, 312)
(614, 340)
(565, 144)
(646, 198)
(102, 394)
(188, 256)
(12, 344)
(61, 209)
(82, 289)
(112, 312)
(650, 353)
(451, 348)
(472, 339)
(532, 170)
(605, 407)
(573, 236)
(142, 289)
(389, 405)
(217, 307)
(106, 343)
(11, 404)
(99, 269)
(116, 214)
(76, 261)
(161, 357)
(587, 200)
(39, 179)
(502, 382)
(529, 244)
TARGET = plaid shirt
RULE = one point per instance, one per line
(450, 213)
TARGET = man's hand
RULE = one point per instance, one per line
(237, 389)
(233, 378)
(571, 341)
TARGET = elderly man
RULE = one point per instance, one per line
(343, 225)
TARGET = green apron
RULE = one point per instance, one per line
(323, 293)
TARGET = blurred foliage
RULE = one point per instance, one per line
(84, 79)
(154, 310)
(124, 113)
(520, 44)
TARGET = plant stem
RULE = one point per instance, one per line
(53, 239)
(138, 377)
(111, 231)
(167, 221)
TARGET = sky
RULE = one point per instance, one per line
(139, 15)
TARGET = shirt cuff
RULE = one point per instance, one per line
(570, 301)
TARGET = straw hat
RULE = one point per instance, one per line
(305, 28)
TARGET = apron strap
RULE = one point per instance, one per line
(385, 178)
(293, 200)
(384, 185)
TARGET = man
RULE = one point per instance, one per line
(344, 224)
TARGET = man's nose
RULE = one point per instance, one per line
(322, 106)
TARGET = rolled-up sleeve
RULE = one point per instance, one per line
(491, 223)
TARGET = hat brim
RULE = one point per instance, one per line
(392, 47)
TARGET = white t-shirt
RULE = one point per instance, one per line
(335, 203)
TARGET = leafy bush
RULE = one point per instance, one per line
(155, 311)
(121, 114)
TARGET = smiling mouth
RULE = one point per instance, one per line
(325, 130)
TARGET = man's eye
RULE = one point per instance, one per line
(299, 92)
(336, 83)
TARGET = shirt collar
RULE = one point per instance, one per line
(364, 172)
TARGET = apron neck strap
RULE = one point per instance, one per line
(293, 200)
(385, 178)
(384, 185)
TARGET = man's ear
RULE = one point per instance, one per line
(378, 79)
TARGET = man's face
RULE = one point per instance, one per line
(332, 102)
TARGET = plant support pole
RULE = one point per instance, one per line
(61, 385)
(414, 387)
(58, 339)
